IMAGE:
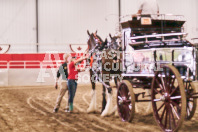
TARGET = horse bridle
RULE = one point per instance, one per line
(97, 40)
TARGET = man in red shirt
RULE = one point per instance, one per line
(72, 78)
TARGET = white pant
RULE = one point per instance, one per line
(63, 89)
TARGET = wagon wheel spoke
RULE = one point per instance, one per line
(174, 111)
(170, 122)
(178, 108)
(166, 116)
(127, 101)
(163, 84)
(175, 104)
(189, 86)
(160, 85)
(160, 107)
(172, 85)
(121, 94)
(174, 90)
(173, 81)
(120, 98)
(158, 91)
(156, 100)
(175, 97)
(165, 79)
(127, 110)
(188, 110)
(124, 92)
(173, 118)
(190, 105)
(164, 111)
(121, 108)
(169, 81)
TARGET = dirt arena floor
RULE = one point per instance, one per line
(29, 109)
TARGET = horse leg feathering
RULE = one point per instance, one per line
(109, 105)
(92, 107)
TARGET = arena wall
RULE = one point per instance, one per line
(33, 69)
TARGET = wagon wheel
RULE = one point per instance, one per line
(126, 101)
(168, 98)
(191, 103)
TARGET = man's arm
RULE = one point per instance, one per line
(138, 13)
(58, 74)
(80, 69)
(80, 59)
(57, 77)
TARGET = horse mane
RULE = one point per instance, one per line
(104, 45)
(99, 38)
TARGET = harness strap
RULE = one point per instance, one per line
(91, 61)
(97, 39)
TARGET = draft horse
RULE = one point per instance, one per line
(105, 57)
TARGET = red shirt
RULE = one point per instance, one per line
(73, 73)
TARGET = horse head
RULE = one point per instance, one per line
(115, 42)
(94, 40)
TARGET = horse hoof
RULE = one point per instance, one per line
(104, 114)
(90, 111)
(116, 114)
